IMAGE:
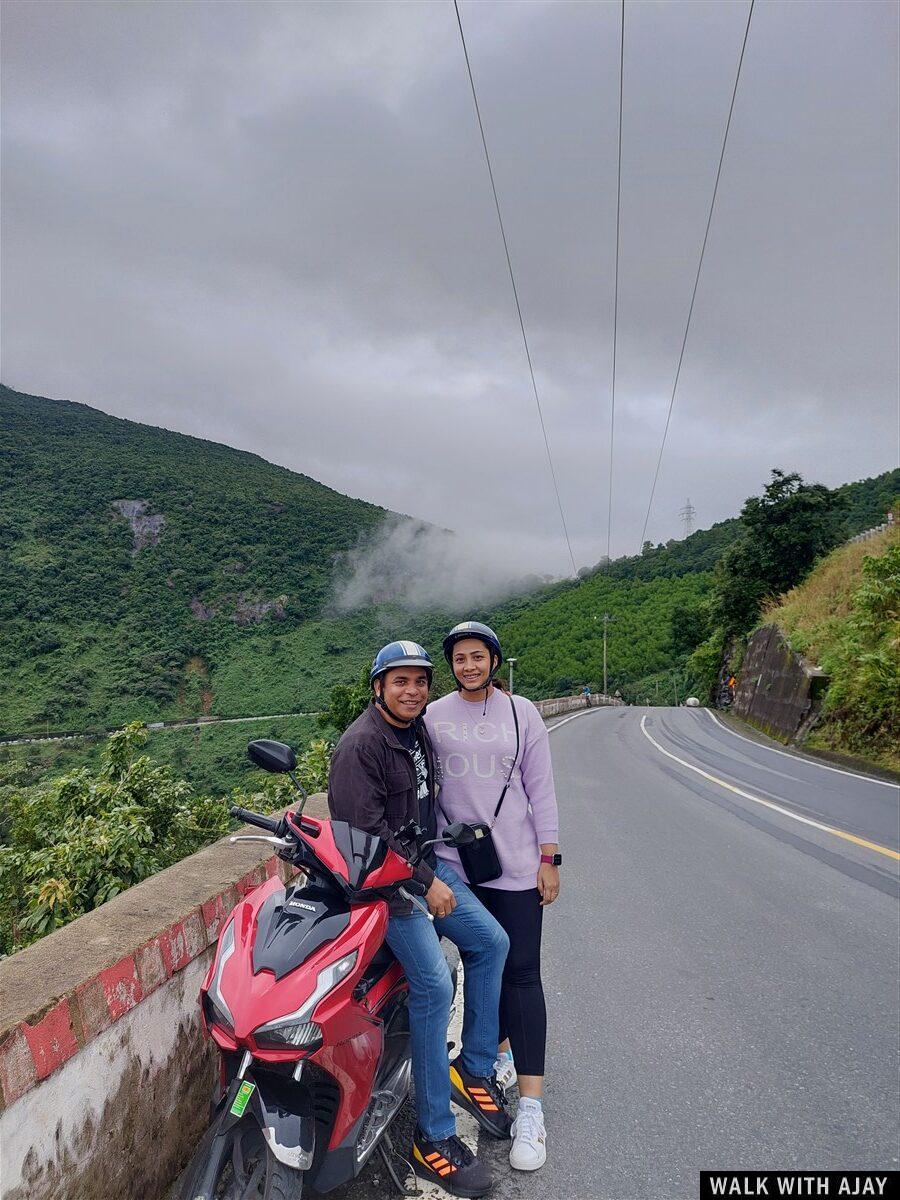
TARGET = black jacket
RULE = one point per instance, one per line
(372, 785)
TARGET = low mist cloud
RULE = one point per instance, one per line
(422, 567)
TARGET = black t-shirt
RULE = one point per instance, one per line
(408, 738)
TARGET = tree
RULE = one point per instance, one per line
(785, 531)
(347, 702)
(74, 842)
(689, 626)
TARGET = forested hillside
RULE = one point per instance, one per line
(672, 599)
(148, 575)
(133, 560)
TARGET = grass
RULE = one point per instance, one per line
(845, 617)
(813, 614)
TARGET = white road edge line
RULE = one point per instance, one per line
(799, 757)
(566, 720)
(785, 812)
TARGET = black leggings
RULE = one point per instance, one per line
(523, 1013)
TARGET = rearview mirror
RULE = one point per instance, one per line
(272, 756)
(458, 834)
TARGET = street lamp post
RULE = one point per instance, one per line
(512, 662)
(605, 627)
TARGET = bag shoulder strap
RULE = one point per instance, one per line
(512, 768)
(509, 776)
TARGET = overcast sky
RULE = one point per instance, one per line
(271, 225)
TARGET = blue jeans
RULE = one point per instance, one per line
(483, 946)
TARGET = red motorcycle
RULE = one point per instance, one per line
(308, 1008)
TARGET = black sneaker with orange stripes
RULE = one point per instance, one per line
(481, 1096)
(451, 1165)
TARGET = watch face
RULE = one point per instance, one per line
(557, 860)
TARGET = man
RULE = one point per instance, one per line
(383, 775)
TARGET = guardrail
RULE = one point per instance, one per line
(873, 532)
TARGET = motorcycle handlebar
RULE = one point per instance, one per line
(252, 818)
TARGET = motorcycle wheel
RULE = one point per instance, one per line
(247, 1169)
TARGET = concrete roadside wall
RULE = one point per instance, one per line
(553, 708)
(778, 690)
(105, 1075)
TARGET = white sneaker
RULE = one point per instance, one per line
(529, 1150)
(505, 1070)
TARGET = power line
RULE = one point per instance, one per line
(612, 407)
(699, 268)
(512, 280)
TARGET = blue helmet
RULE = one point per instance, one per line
(472, 629)
(401, 654)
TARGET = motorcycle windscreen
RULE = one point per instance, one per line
(293, 924)
(362, 852)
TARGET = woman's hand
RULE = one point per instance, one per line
(548, 883)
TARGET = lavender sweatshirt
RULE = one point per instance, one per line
(476, 753)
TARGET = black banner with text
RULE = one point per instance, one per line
(852, 1184)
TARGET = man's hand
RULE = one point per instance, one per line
(440, 899)
(548, 883)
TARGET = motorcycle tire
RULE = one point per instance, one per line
(247, 1170)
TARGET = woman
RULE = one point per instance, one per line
(495, 753)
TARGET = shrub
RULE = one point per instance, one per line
(76, 841)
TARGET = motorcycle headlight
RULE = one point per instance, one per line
(297, 1028)
(284, 1037)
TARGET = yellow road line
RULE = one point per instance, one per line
(785, 812)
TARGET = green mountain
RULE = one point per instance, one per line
(153, 576)
(133, 560)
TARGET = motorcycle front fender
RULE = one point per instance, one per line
(283, 1110)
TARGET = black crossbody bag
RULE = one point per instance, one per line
(480, 860)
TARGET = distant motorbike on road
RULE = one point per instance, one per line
(308, 1008)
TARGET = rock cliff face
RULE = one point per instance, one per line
(778, 691)
(244, 609)
(144, 526)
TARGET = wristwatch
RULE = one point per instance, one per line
(554, 860)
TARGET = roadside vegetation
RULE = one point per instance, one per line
(784, 532)
(70, 843)
(845, 617)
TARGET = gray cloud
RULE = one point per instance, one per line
(270, 225)
(425, 567)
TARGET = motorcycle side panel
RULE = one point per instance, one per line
(353, 1064)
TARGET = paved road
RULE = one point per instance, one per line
(722, 978)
